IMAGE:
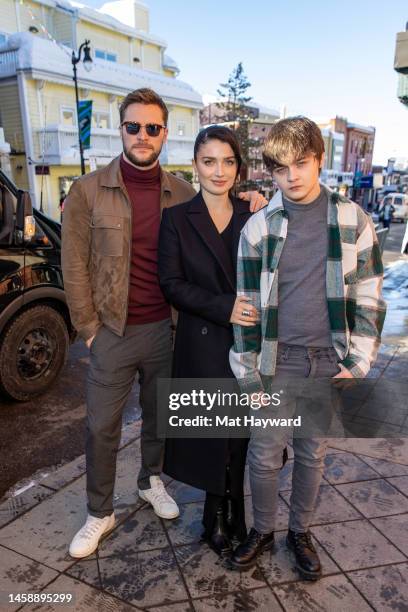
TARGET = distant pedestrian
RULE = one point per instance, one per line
(61, 204)
(343, 190)
(385, 213)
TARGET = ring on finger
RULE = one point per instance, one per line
(246, 313)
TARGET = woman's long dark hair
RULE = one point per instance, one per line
(222, 133)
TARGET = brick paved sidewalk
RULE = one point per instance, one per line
(360, 529)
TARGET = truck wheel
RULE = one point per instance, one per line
(33, 350)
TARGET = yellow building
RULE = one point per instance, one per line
(37, 97)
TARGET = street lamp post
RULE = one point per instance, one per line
(87, 65)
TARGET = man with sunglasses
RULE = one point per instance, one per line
(109, 258)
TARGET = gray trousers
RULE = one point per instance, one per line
(114, 362)
(265, 449)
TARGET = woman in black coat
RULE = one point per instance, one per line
(197, 261)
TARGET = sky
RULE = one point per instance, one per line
(319, 58)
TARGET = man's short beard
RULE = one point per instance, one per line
(141, 163)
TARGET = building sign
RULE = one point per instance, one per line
(85, 116)
(363, 182)
(42, 170)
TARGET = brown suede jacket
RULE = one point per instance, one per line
(96, 246)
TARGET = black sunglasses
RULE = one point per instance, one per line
(152, 129)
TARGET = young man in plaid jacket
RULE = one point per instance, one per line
(309, 262)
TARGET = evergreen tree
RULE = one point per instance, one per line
(235, 110)
(234, 101)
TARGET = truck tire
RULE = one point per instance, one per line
(33, 349)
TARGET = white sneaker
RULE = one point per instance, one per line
(86, 540)
(163, 505)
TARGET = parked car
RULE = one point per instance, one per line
(35, 327)
(399, 201)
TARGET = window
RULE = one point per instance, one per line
(8, 206)
(65, 183)
(181, 128)
(68, 116)
(398, 200)
(105, 55)
(40, 237)
(101, 119)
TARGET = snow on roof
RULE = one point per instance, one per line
(48, 60)
(103, 19)
(169, 62)
(122, 10)
(364, 128)
(264, 110)
(209, 98)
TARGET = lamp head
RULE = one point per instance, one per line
(87, 57)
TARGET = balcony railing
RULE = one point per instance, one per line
(58, 144)
(8, 63)
(178, 151)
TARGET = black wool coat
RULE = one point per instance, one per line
(197, 276)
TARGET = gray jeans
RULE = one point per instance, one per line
(265, 450)
(114, 362)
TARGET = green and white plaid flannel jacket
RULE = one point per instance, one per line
(354, 275)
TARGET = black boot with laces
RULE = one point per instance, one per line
(307, 559)
(246, 553)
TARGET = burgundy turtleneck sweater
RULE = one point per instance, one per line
(146, 301)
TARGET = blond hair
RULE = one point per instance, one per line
(291, 139)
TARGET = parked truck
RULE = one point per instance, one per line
(35, 327)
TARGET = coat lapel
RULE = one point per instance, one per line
(200, 219)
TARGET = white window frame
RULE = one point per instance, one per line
(96, 118)
(181, 127)
(104, 55)
(71, 110)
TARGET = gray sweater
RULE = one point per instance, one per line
(303, 317)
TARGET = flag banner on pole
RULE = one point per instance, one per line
(85, 116)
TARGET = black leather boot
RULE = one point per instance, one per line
(234, 519)
(307, 559)
(246, 554)
(219, 539)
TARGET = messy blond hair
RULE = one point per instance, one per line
(291, 139)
